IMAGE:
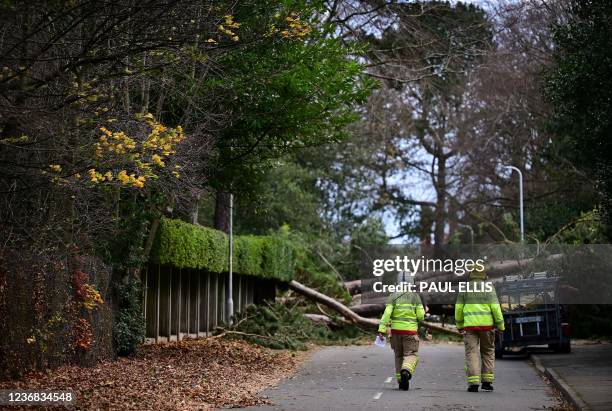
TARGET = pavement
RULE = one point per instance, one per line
(362, 377)
(584, 376)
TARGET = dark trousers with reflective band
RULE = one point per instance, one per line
(406, 349)
(479, 349)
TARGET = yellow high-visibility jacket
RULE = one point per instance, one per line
(478, 311)
(403, 312)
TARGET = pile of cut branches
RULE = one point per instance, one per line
(284, 326)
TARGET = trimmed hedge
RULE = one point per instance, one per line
(185, 245)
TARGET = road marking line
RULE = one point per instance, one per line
(378, 395)
(388, 380)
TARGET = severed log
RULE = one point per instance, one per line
(319, 318)
(449, 329)
(368, 309)
(349, 314)
(329, 302)
(325, 319)
(353, 287)
(496, 269)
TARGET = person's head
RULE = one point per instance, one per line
(477, 275)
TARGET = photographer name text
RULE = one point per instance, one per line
(433, 287)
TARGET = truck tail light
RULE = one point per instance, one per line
(566, 329)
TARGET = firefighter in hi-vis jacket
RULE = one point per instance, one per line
(477, 315)
(403, 312)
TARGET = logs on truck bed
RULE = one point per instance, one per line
(350, 315)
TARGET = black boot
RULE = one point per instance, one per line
(404, 378)
(487, 386)
(473, 388)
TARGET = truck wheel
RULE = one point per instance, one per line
(562, 348)
(566, 347)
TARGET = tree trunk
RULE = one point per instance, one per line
(222, 211)
(426, 222)
(497, 269)
(323, 319)
(195, 211)
(368, 309)
(453, 224)
(440, 213)
(148, 244)
(349, 314)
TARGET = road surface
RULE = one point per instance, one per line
(361, 377)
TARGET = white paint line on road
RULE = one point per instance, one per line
(378, 395)
(388, 380)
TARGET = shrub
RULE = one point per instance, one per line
(129, 326)
(248, 255)
(186, 245)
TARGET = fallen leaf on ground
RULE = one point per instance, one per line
(194, 374)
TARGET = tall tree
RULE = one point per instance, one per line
(511, 117)
(296, 88)
(425, 53)
(579, 88)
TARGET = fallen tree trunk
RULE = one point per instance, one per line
(349, 314)
(368, 310)
(449, 329)
(329, 302)
(318, 318)
(324, 319)
(497, 269)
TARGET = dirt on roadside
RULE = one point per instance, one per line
(197, 374)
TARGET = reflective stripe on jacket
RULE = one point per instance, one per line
(478, 309)
(403, 312)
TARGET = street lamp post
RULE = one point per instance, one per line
(230, 280)
(520, 199)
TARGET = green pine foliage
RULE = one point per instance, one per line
(282, 326)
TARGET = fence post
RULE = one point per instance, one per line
(170, 304)
(180, 303)
(157, 304)
(144, 298)
(230, 297)
(207, 328)
(198, 306)
(188, 323)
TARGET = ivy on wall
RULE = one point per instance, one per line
(185, 245)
